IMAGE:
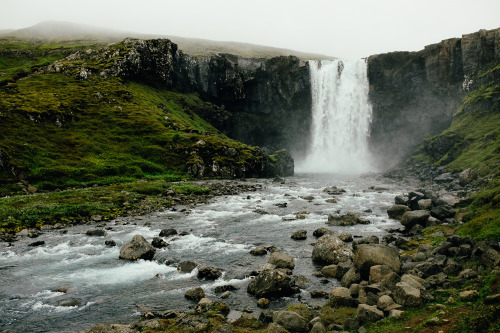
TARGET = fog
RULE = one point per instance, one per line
(346, 29)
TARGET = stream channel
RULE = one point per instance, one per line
(101, 288)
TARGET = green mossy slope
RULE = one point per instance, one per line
(473, 141)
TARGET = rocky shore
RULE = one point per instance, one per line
(420, 274)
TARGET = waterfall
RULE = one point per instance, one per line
(341, 116)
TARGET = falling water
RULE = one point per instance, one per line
(341, 116)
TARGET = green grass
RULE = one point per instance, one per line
(76, 205)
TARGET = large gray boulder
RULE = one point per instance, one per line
(136, 249)
(291, 321)
(384, 276)
(341, 296)
(352, 276)
(281, 260)
(270, 283)
(329, 249)
(407, 295)
(368, 255)
(369, 313)
(409, 219)
(397, 211)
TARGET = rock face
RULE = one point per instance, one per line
(138, 248)
(415, 94)
(329, 249)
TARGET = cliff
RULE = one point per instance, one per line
(269, 99)
(415, 94)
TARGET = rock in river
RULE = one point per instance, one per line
(138, 248)
(329, 249)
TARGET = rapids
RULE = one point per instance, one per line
(100, 288)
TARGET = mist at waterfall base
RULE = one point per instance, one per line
(341, 117)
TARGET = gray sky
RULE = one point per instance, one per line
(346, 29)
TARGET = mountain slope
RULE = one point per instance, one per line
(66, 31)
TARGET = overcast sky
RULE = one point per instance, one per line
(346, 29)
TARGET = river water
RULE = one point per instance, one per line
(101, 288)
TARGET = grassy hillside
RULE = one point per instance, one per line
(58, 132)
(56, 31)
(473, 141)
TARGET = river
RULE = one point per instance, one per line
(101, 288)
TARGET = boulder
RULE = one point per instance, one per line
(401, 200)
(345, 237)
(291, 321)
(407, 295)
(424, 204)
(384, 302)
(187, 266)
(352, 276)
(159, 243)
(136, 249)
(442, 212)
(409, 219)
(276, 328)
(369, 313)
(334, 190)
(346, 219)
(329, 249)
(168, 232)
(467, 176)
(96, 232)
(258, 251)
(318, 327)
(384, 276)
(330, 270)
(270, 283)
(397, 211)
(281, 260)
(209, 272)
(368, 255)
(322, 231)
(195, 294)
(203, 305)
(300, 235)
(341, 296)
(263, 303)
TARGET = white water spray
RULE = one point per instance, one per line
(341, 116)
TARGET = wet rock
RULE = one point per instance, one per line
(319, 294)
(424, 204)
(401, 200)
(209, 273)
(300, 235)
(110, 242)
(138, 248)
(446, 177)
(281, 260)
(368, 255)
(345, 237)
(168, 232)
(291, 321)
(225, 295)
(195, 294)
(368, 313)
(259, 251)
(187, 266)
(397, 211)
(224, 288)
(329, 249)
(263, 303)
(307, 197)
(96, 232)
(261, 211)
(334, 190)
(322, 231)
(270, 283)
(300, 281)
(409, 219)
(203, 305)
(347, 219)
(37, 243)
(332, 200)
(330, 270)
(365, 240)
(159, 243)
